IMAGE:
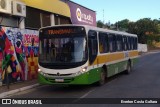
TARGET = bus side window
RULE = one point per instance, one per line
(132, 43)
(136, 43)
(119, 42)
(124, 43)
(129, 43)
(112, 43)
(92, 45)
(103, 43)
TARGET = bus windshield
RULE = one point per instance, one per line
(62, 50)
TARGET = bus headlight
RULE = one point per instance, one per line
(42, 73)
(39, 70)
(83, 70)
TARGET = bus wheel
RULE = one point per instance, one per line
(102, 78)
(129, 69)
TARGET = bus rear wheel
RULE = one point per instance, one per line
(129, 69)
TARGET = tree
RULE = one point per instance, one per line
(141, 27)
(157, 23)
(122, 25)
(100, 24)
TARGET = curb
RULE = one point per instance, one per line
(2, 95)
(148, 53)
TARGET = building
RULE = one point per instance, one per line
(34, 14)
(19, 24)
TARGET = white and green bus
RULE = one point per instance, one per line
(78, 54)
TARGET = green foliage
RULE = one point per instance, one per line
(158, 27)
(100, 24)
(122, 25)
(151, 38)
(143, 26)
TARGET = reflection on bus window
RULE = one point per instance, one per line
(119, 42)
(112, 43)
(58, 50)
(103, 43)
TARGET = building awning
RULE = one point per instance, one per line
(53, 6)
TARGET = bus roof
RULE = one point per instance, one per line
(109, 31)
(87, 27)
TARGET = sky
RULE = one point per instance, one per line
(117, 10)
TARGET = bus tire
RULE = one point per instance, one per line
(129, 68)
(102, 78)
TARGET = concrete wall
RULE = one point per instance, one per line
(142, 48)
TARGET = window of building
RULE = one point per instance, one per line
(64, 20)
(103, 43)
(32, 18)
(56, 20)
(7, 20)
(45, 19)
(59, 20)
(36, 18)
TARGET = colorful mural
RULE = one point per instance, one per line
(18, 54)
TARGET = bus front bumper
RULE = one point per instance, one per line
(83, 79)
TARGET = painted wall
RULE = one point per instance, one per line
(18, 54)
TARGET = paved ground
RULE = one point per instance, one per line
(17, 87)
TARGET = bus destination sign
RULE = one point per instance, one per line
(60, 31)
(64, 30)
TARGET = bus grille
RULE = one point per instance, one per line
(65, 80)
(60, 74)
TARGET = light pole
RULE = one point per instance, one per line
(117, 26)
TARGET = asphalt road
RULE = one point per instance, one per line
(143, 82)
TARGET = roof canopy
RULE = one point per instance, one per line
(53, 6)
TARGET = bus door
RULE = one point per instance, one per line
(93, 48)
